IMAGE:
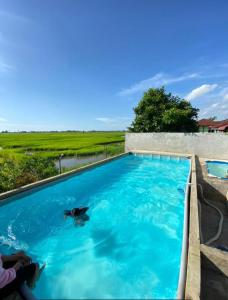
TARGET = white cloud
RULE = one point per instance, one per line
(157, 80)
(105, 120)
(4, 67)
(214, 105)
(117, 123)
(3, 120)
(12, 17)
(226, 97)
(113, 120)
(200, 91)
(219, 109)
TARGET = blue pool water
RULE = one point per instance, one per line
(218, 168)
(130, 247)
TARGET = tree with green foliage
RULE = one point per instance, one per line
(214, 118)
(159, 111)
(9, 172)
(35, 168)
(15, 173)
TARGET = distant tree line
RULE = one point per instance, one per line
(60, 131)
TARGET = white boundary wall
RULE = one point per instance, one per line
(207, 145)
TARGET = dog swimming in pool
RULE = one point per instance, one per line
(78, 214)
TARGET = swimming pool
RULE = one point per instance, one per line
(217, 168)
(131, 246)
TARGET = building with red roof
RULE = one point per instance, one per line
(209, 125)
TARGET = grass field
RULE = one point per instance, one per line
(52, 144)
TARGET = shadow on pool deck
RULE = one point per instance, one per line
(214, 262)
(214, 280)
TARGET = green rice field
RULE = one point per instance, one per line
(52, 144)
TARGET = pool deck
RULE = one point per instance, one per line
(214, 262)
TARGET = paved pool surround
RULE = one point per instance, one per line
(191, 285)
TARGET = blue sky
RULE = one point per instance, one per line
(84, 64)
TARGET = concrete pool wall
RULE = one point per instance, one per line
(210, 145)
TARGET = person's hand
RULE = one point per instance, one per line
(24, 262)
(18, 265)
(20, 254)
(23, 257)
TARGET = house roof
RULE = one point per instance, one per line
(213, 124)
(223, 127)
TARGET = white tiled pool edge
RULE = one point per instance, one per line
(161, 153)
(184, 252)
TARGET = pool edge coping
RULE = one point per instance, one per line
(193, 278)
(184, 246)
(187, 155)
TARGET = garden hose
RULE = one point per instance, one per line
(219, 231)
